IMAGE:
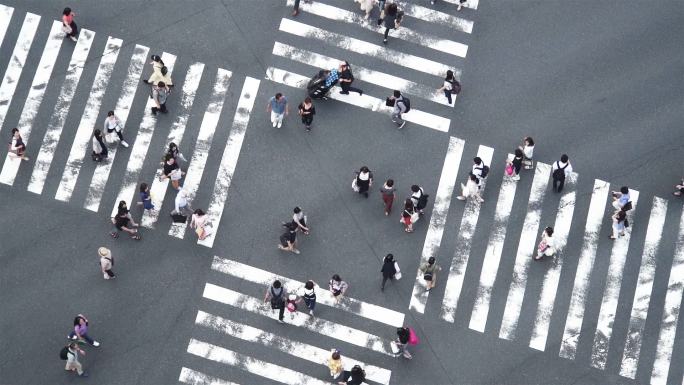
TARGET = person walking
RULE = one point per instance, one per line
(337, 287)
(391, 19)
(307, 112)
(17, 148)
(335, 363)
(295, 9)
(527, 148)
(679, 188)
(308, 294)
(355, 376)
(400, 106)
(200, 222)
(389, 270)
(69, 25)
(419, 198)
(471, 189)
(402, 342)
(620, 198)
(288, 240)
(100, 151)
(80, 331)
(159, 73)
(278, 108)
(172, 171)
(515, 165)
(112, 125)
(70, 354)
(388, 193)
(560, 170)
(479, 169)
(366, 6)
(450, 87)
(546, 247)
(181, 203)
(299, 219)
(145, 197)
(106, 263)
(123, 221)
(429, 270)
(363, 181)
(409, 216)
(276, 294)
(160, 93)
(347, 78)
(619, 218)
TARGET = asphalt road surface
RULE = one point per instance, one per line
(600, 81)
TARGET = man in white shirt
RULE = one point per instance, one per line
(559, 171)
(478, 168)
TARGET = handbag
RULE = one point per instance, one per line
(509, 169)
(413, 337)
(394, 347)
(355, 186)
(179, 218)
(397, 275)
(414, 217)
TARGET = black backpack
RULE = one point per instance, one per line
(276, 300)
(455, 87)
(422, 201)
(485, 171)
(559, 173)
(64, 353)
(627, 206)
(164, 70)
(407, 103)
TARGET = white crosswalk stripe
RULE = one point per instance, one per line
(85, 128)
(193, 377)
(5, 18)
(54, 130)
(430, 15)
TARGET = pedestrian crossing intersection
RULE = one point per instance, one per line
(348, 339)
(475, 284)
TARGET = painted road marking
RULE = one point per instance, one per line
(431, 16)
(194, 377)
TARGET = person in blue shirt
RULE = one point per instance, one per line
(620, 198)
(278, 108)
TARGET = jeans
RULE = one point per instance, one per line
(162, 108)
(447, 93)
(346, 87)
(118, 133)
(396, 118)
(558, 184)
(85, 336)
(310, 303)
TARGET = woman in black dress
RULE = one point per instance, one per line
(307, 112)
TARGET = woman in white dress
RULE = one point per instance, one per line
(471, 189)
(546, 246)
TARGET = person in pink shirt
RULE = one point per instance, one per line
(68, 25)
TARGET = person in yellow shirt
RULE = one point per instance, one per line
(335, 364)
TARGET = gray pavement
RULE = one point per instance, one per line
(599, 81)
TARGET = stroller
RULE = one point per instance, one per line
(316, 88)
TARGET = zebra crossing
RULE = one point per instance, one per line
(473, 307)
(349, 339)
(407, 49)
(142, 129)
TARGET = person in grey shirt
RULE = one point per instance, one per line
(160, 92)
(399, 108)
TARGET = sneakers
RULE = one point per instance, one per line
(280, 124)
(516, 177)
(96, 344)
(461, 198)
(401, 125)
(84, 374)
(281, 321)
(123, 143)
(384, 41)
(73, 38)
(311, 313)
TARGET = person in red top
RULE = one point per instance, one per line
(68, 25)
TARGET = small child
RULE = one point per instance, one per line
(388, 193)
(335, 364)
(145, 197)
(291, 304)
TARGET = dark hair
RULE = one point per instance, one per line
(97, 132)
(624, 190)
(277, 284)
(143, 187)
(549, 231)
(449, 75)
(110, 113)
(518, 153)
(364, 169)
(529, 140)
(199, 212)
(473, 177)
(477, 160)
(161, 84)
(621, 215)
(307, 100)
(357, 371)
(431, 260)
(336, 277)
(309, 285)
(278, 95)
(168, 157)
(164, 70)
(397, 93)
(415, 188)
(564, 158)
(389, 258)
(408, 204)
(122, 204)
(336, 355)
(297, 210)
(67, 11)
(157, 58)
(391, 9)
(390, 182)
(15, 130)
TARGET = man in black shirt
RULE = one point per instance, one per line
(346, 79)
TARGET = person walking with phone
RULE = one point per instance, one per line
(307, 112)
(80, 331)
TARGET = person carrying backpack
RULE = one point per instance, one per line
(355, 376)
(419, 198)
(402, 105)
(480, 169)
(560, 170)
(69, 354)
(451, 86)
(276, 294)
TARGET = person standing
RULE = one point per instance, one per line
(112, 125)
(388, 195)
(106, 262)
(100, 151)
(392, 19)
(516, 164)
(347, 78)
(355, 376)
(69, 25)
(308, 294)
(307, 112)
(621, 198)
(278, 108)
(145, 197)
(123, 221)
(276, 294)
(546, 247)
(402, 342)
(17, 146)
(409, 216)
(388, 270)
(70, 354)
(618, 218)
(560, 170)
(299, 219)
(172, 171)
(335, 363)
(429, 270)
(419, 198)
(288, 240)
(451, 86)
(364, 180)
(471, 189)
(200, 222)
(528, 151)
(337, 287)
(160, 93)
(400, 107)
(80, 331)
